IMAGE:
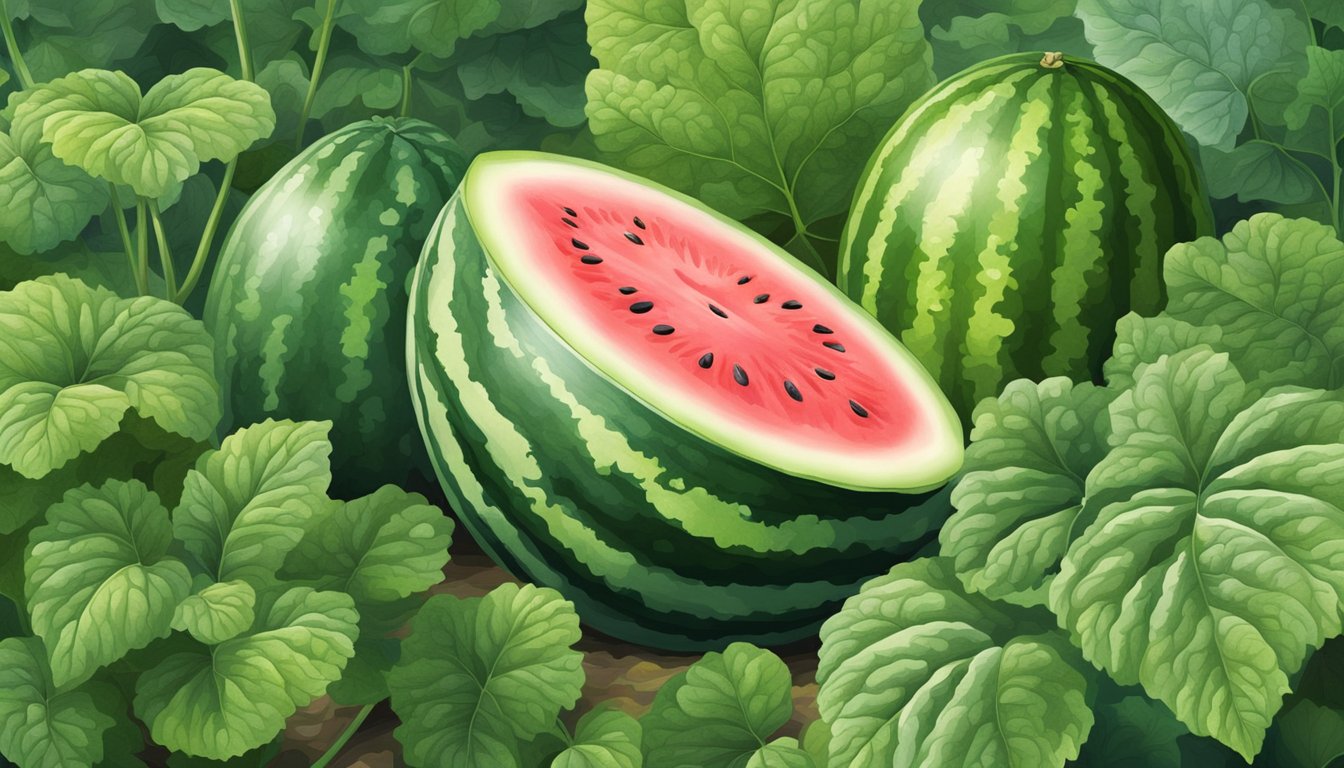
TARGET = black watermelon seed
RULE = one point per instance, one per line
(837, 346)
(858, 409)
(663, 330)
(819, 328)
(743, 280)
(793, 391)
(640, 307)
(707, 360)
(582, 246)
(570, 211)
(825, 374)
(791, 304)
(639, 223)
(627, 289)
(764, 297)
(739, 375)
(569, 221)
(632, 237)
(591, 259)
(717, 311)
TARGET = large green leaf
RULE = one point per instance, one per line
(1322, 87)
(1259, 170)
(1140, 341)
(604, 738)
(98, 120)
(217, 611)
(40, 725)
(246, 505)
(756, 107)
(480, 676)
(720, 712)
(967, 32)
(63, 36)
(221, 701)
(1312, 735)
(1216, 558)
(1133, 732)
(100, 581)
(1197, 60)
(431, 26)
(73, 359)
(917, 672)
(1021, 492)
(543, 68)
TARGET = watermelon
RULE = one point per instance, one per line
(638, 402)
(1013, 214)
(308, 302)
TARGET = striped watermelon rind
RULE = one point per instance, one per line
(660, 536)
(308, 302)
(1013, 215)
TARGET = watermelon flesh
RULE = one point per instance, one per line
(718, 334)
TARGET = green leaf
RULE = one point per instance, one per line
(97, 120)
(1328, 12)
(43, 201)
(1259, 170)
(525, 14)
(100, 582)
(73, 359)
(246, 505)
(543, 68)
(917, 672)
(431, 26)
(1133, 733)
(720, 711)
(41, 726)
(479, 676)
(1213, 564)
(380, 548)
(781, 753)
(217, 612)
(1197, 60)
(1312, 736)
(1275, 288)
(1140, 341)
(1021, 492)
(967, 32)
(743, 105)
(191, 15)
(64, 36)
(221, 701)
(1321, 88)
(816, 741)
(604, 738)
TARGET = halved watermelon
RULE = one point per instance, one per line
(643, 404)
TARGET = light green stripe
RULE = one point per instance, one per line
(1083, 249)
(987, 329)
(929, 154)
(1140, 196)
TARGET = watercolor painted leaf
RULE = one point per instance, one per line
(246, 505)
(217, 612)
(916, 671)
(719, 712)
(378, 549)
(42, 726)
(604, 738)
(1197, 60)
(98, 121)
(100, 582)
(1216, 557)
(220, 701)
(1275, 288)
(74, 359)
(480, 676)
(1021, 492)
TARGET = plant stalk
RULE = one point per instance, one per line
(240, 32)
(12, 44)
(320, 63)
(335, 749)
(405, 110)
(1334, 169)
(208, 236)
(142, 246)
(165, 253)
(126, 244)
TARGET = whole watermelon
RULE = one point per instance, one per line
(1013, 214)
(308, 302)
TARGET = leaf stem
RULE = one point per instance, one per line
(335, 749)
(141, 281)
(240, 32)
(12, 44)
(320, 63)
(1334, 167)
(405, 110)
(142, 245)
(208, 236)
(165, 253)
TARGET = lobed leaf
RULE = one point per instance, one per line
(40, 725)
(217, 611)
(604, 738)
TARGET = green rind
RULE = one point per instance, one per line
(1013, 215)
(307, 305)
(567, 479)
